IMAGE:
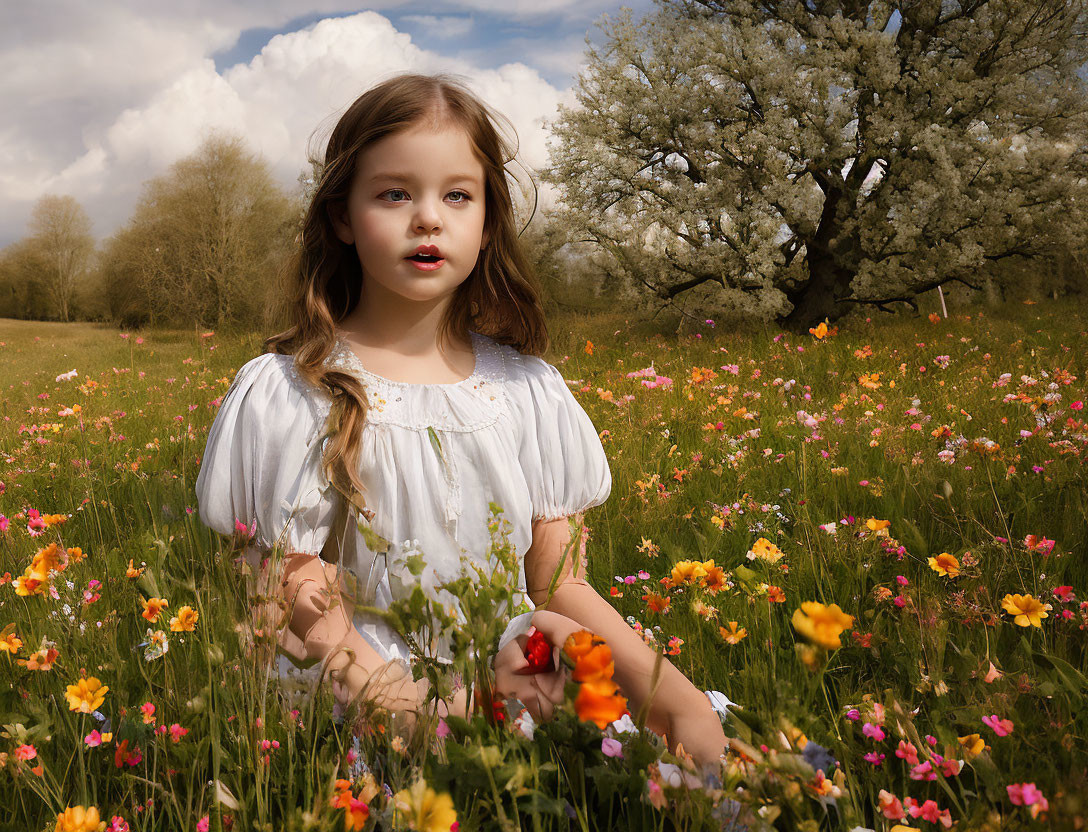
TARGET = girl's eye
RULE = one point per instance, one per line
(464, 197)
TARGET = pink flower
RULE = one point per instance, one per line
(874, 732)
(902, 580)
(202, 824)
(853, 714)
(443, 730)
(93, 739)
(1077, 405)
(177, 732)
(929, 811)
(906, 751)
(1001, 727)
(26, 752)
(890, 806)
(875, 758)
(923, 771)
(1025, 794)
(117, 824)
(611, 747)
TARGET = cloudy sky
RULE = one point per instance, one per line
(99, 97)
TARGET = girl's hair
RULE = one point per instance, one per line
(323, 278)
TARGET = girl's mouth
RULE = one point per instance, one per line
(426, 262)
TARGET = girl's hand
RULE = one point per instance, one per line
(539, 692)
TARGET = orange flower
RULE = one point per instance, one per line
(714, 580)
(687, 572)
(153, 608)
(185, 620)
(656, 603)
(134, 571)
(822, 624)
(10, 643)
(595, 665)
(589, 347)
(600, 702)
(945, 564)
(75, 555)
(40, 659)
(580, 644)
(732, 635)
(775, 594)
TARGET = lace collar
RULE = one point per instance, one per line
(466, 405)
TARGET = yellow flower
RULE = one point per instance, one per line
(75, 554)
(731, 634)
(425, 810)
(878, 526)
(185, 620)
(972, 745)
(820, 330)
(869, 380)
(1029, 612)
(152, 608)
(79, 819)
(687, 571)
(86, 695)
(821, 624)
(945, 564)
(10, 643)
(765, 550)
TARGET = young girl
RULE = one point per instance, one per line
(411, 374)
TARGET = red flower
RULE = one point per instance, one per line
(538, 652)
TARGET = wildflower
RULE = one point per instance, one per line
(1042, 545)
(1028, 611)
(9, 642)
(185, 620)
(1001, 727)
(890, 806)
(732, 635)
(945, 565)
(687, 572)
(153, 608)
(134, 571)
(765, 550)
(80, 819)
(611, 747)
(775, 594)
(539, 653)
(714, 580)
(123, 756)
(972, 745)
(25, 752)
(821, 624)
(907, 752)
(42, 658)
(177, 732)
(95, 739)
(704, 611)
(148, 711)
(424, 809)
(656, 603)
(157, 644)
(86, 695)
(992, 674)
(1025, 794)
(878, 526)
(820, 331)
(930, 811)
(873, 732)
(875, 758)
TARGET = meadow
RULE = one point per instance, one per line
(871, 538)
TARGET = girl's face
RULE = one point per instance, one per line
(417, 187)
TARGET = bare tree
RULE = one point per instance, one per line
(60, 231)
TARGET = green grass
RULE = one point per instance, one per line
(125, 481)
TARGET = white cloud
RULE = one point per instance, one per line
(155, 100)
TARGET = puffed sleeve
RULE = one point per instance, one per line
(561, 455)
(261, 463)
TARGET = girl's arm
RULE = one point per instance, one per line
(320, 624)
(678, 709)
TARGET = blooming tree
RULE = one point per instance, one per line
(802, 158)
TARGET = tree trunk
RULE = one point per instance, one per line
(818, 300)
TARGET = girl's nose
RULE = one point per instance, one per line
(427, 216)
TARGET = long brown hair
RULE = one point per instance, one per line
(323, 277)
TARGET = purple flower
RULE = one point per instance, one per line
(611, 747)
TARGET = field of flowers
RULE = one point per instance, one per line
(872, 539)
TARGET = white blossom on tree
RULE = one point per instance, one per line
(805, 157)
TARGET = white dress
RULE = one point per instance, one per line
(511, 433)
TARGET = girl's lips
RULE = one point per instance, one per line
(426, 267)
